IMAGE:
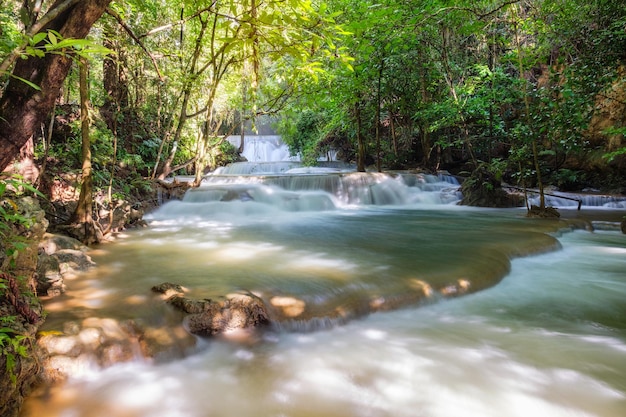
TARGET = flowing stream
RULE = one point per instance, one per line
(375, 265)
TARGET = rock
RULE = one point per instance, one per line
(19, 368)
(72, 261)
(49, 278)
(13, 393)
(208, 317)
(60, 257)
(101, 342)
(25, 263)
(484, 189)
(168, 290)
(190, 306)
(52, 243)
(288, 306)
(88, 232)
(546, 213)
(623, 226)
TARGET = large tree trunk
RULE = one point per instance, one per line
(22, 108)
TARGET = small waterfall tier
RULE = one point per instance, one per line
(280, 167)
(565, 200)
(260, 148)
(265, 188)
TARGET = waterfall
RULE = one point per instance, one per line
(270, 148)
(272, 181)
(263, 148)
(268, 193)
(571, 200)
(325, 246)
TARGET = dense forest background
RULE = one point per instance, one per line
(532, 91)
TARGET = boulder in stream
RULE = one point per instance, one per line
(484, 189)
(237, 311)
(211, 317)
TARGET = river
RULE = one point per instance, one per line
(416, 309)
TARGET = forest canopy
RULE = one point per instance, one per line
(533, 90)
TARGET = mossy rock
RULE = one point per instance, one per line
(484, 189)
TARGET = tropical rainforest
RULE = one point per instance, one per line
(101, 99)
(531, 90)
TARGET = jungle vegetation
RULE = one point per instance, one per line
(123, 92)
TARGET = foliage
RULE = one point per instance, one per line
(12, 221)
(306, 137)
(611, 156)
(11, 346)
(434, 83)
(226, 154)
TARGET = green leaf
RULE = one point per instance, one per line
(38, 37)
(52, 37)
(7, 330)
(29, 83)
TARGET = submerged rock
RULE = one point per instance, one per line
(237, 311)
(211, 317)
(99, 342)
(167, 289)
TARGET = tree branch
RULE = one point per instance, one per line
(180, 22)
(467, 9)
(196, 113)
(130, 32)
(37, 26)
(184, 164)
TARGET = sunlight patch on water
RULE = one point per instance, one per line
(319, 263)
(594, 341)
(240, 251)
(88, 298)
(616, 251)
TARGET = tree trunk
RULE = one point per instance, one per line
(378, 104)
(187, 90)
(115, 83)
(244, 99)
(82, 216)
(537, 166)
(392, 125)
(427, 148)
(22, 108)
(360, 159)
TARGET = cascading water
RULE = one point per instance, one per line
(315, 191)
(374, 264)
(572, 200)
(263, 148)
